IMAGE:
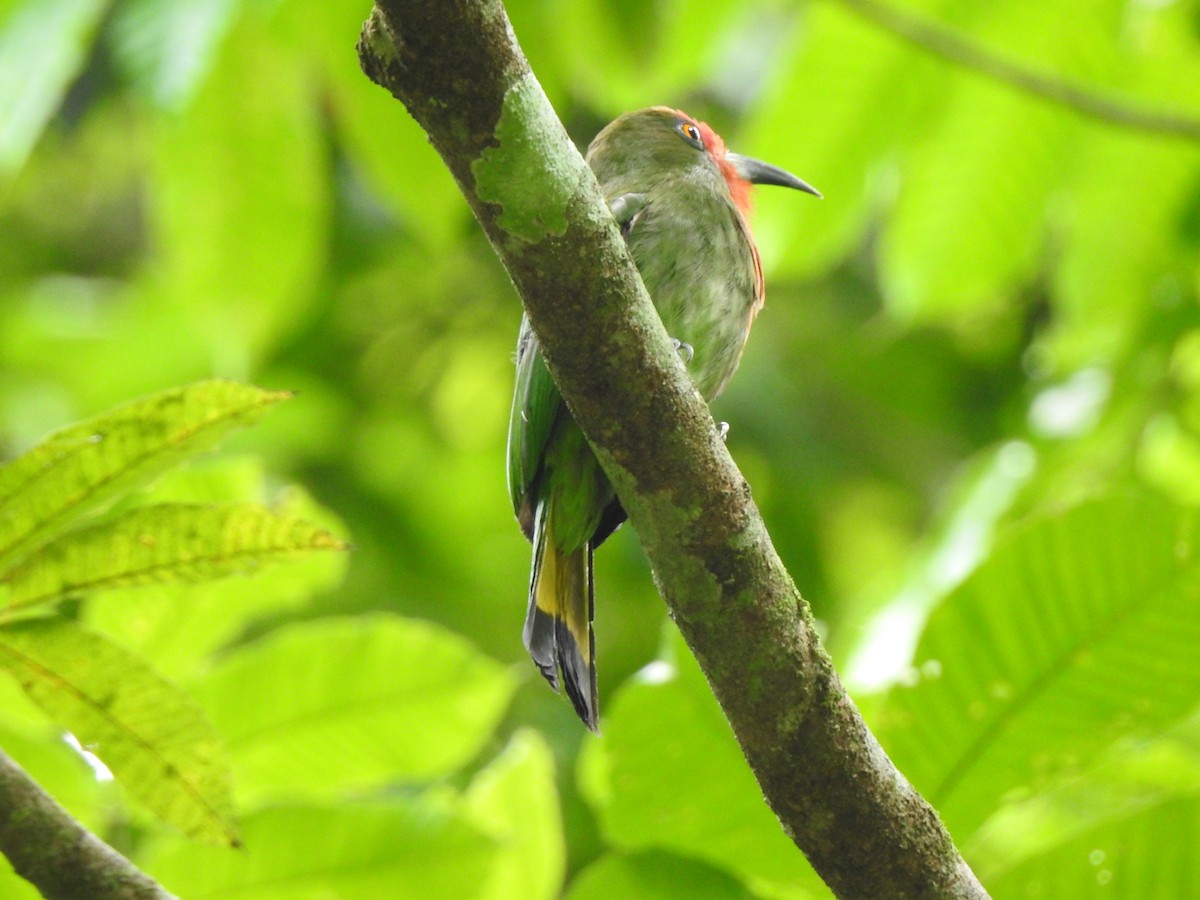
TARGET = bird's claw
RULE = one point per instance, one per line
(684, 350)
(722, 430)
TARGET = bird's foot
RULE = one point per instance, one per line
(684, 350)
(723, 430)
(625, 209)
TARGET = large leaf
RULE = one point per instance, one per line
(669, 775)
(969, 222)
(43, 45)
(1083, 627)
(240, 206)
(829, 114)
(169, 542)
(345, 704)
(402, 849)
(654, 875)
(178, 626)
(152, 736)
(514, 801)
(1148, 853)
(86, 465)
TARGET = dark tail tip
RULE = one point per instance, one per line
(579, 675)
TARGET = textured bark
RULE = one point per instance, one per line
(456, 66)
(56, 854)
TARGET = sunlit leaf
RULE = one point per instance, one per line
(85, 465)
(168, 46)
(969, 222)
(343, 704)
(1106, 277)
(407, 849)
(514, 801)
(165, 543)
(1146, 852)
(828, 114)
(43, 45)
(157, 743)
(1082, 628)
(242, 259)
(654, 875)
(178, 626)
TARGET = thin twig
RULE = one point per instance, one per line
(948, 45)
(56, 854)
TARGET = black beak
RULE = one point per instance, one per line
(758, 172)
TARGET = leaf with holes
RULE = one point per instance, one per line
(83, 466)
(1084, 627)
(169, 542)
(153, 737)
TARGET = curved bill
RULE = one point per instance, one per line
(758, 172)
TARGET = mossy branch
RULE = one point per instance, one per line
(457, 67)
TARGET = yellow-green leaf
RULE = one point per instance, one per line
(514, 801)
(87, 464)
(169, 542)
(153, 737)
(348, 704)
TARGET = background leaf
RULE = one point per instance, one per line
(43, 45)
(668, 756)
(164, 543)
(148, 732)
(406, 848)
(79, 468)
(991, 319)
(1074, 633)
(343, 705)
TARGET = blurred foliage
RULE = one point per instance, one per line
(970, 415)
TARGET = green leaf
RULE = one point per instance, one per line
(1082, 628)
(177, 627)
(1148, 853)
(970, 219)
(654, 875)
(168, 46)
(346, 704)
(84, 466)
(514, 801)
(399, 849)
(1105, 275)
(169, 542)
(43, 46)
(669, 775)
(158, 744)
(842, 73)
(240, 205)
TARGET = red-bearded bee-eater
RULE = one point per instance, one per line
(682, 201)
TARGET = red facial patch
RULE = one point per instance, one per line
(739, 187)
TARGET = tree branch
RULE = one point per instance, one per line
(458, 69)
(56, 854)
(948, 45)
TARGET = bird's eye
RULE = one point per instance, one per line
(691, 134)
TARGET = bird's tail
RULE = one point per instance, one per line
(558, 626)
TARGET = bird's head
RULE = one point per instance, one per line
(638, 148)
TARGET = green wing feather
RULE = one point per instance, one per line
(536, 406)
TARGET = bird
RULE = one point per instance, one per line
(682, 202)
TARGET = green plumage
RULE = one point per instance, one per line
(680, 201)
